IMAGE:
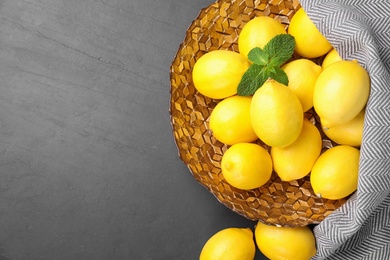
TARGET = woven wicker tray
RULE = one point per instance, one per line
(217, 27)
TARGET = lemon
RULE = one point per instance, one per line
(330, 58)
(335, 173)
(258, 32)
(341, 92)
(309, 42)
(230, 120)
(246, 166)
(285, 243)
(230, 244)
(217, 74)
(350, 133)
(296, 160)
(276, 114)
(302, 75)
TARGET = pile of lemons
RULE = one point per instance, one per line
(338, 91)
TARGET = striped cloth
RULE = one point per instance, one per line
(360, 229)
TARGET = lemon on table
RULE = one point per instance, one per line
(246, 166)
(310, 43)
(302, 75)
(330, 58)
(276, 114)
(217, 74)
(230, 121)
(230, 244)
(335, 173)
(296, 160)
(341, 92)
(257, 33)
(350, 133)
(285, 243)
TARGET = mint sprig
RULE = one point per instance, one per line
(266, 64)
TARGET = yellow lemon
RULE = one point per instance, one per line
(258, 32)
(296, 160)
(341, 92)
(217, 74)
(330, 58)
(350, 133)
(335, 173)
(285, 243)
(230, 121)
(230, 244)
(302, 75)
(309, 42)
(276, 114)
(246, 166)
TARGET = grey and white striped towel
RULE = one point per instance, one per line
(360, 229)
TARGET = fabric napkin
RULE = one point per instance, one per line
(360, 29)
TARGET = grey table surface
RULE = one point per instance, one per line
(88, 165)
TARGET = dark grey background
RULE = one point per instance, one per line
(88, 165)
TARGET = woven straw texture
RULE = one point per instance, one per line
(280, 203)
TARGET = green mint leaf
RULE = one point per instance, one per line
(280, 49)
(253, 79)
(271, 70)
(258, 56)
(266, 64)
(279, 75)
